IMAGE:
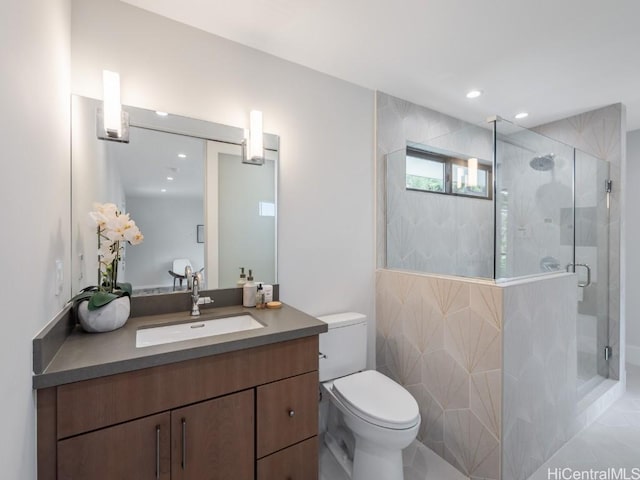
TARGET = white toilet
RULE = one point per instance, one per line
(376, 417)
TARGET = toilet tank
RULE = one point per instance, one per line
(343, 349)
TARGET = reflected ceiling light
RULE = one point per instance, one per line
(182, 155)
(474, 93)
(163, 190)
(472, 167)
(522, 115)
(170, 178)
(253, 143)
(161, 114)
(113, 122)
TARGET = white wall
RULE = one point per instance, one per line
(325, 229)
(633, 255)
(34, 194)
(96, 179)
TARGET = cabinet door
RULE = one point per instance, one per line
(138, 449)
(214, 440)
(298, 462)
(287, 412)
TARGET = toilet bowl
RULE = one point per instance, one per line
(382, 416)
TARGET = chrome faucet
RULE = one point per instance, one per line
(193, 283)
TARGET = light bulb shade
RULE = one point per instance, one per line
(112, 122)
(112, 107)
(472, 168)
(255, 145)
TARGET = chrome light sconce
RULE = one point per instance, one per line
(253, 145)
(112, 123)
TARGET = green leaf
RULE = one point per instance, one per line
(126, 288)
(100, 299)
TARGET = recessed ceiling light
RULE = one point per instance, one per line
(163, 190)
(474, 93)
(182, 155)
(170, 178)
(522, 115)
(161, 114)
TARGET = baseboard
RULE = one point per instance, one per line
(633, 354)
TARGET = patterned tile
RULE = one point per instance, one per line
(475, 450)
(485, 399)
(445, 380)
(472, 341)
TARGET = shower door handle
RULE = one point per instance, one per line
(574, 265)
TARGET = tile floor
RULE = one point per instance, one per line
(612, 441)
(420, 463)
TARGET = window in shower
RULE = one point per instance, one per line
(425, 171)
(430, 171)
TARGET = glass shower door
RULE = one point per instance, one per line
(591, 240)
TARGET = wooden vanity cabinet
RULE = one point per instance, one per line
(240, 415)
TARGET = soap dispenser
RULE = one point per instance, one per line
(260, 303)
(243, 278)
(249, 292)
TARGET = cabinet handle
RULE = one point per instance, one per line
(184, 444)
(157, 451)
(292, 413)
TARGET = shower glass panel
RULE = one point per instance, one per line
(534, 203)
(592, 268)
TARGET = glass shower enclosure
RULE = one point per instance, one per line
(501, 202)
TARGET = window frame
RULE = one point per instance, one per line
(448, 161)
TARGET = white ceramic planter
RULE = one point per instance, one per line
(105, 319)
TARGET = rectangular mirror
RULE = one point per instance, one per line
(183, 182)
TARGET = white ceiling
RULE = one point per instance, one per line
(551, 58)
(151, 156)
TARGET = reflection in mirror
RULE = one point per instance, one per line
(194, 200)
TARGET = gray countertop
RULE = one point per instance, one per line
(84, 356)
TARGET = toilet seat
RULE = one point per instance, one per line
(377, 399)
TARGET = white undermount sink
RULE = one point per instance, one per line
(178, 332)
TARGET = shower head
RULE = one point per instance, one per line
(543, 163)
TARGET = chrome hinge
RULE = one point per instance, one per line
(608, 352)
(607, 188)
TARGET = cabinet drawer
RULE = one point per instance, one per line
(298, 462)
(287, 412)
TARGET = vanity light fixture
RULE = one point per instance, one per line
(474, 93)
(472, 175)
(253, 143)
(112, 122)
(521, 115)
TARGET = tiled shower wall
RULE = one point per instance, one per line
(441, 339)
(539, 372)
(463, 243)
(491, 412)
(399, 122)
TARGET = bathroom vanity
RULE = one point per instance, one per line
(237, 406)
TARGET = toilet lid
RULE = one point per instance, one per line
(377, 399)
